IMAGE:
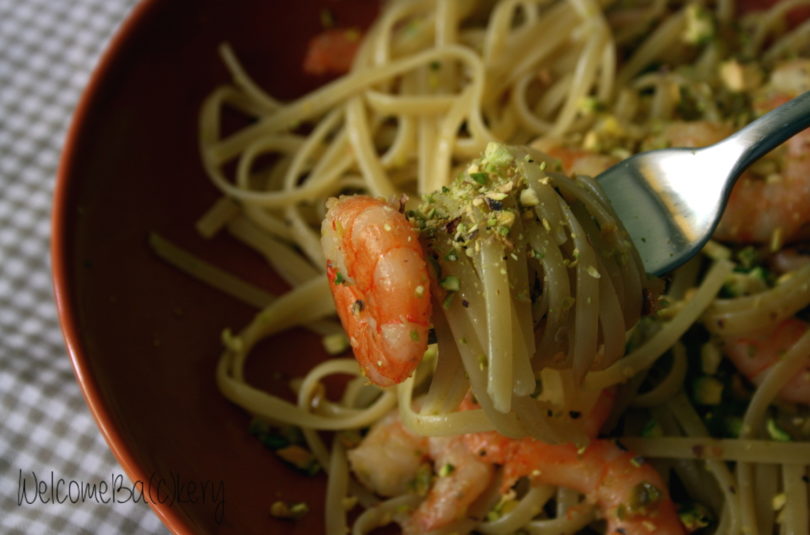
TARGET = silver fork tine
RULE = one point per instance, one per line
(671, 200)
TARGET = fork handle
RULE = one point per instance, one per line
(769, 131)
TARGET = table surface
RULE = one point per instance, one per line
(48, 48)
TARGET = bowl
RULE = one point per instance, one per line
(143, 337)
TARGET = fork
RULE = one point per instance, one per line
(670, 200)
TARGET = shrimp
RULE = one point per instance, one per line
(388, 444)
(332, 51)
(753, 355)
(760, 209)
(462, 478)
(389, 460)
(631, 494)
(773, 208)
(379, 280)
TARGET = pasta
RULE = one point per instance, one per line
(540, 319)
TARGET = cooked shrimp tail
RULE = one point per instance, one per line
(755, 354)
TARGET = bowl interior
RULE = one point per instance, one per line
(145, 338)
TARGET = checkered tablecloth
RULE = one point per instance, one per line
(47, 50)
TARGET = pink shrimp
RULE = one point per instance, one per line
(461, 479)
(389, 459)
(630, 493)
(379, 280)
(773, 209)
(742, 221)
(388, 444)
(753, 355)
(332, 51)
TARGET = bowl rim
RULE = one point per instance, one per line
(60, 213)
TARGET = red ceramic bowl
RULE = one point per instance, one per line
(144, 337)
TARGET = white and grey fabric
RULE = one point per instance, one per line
(48, 49)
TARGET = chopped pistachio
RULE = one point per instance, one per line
(451, 283)
(644, 495)
(446, 470)
(421, 483)
(348, 502)
(695, 516)
(497, 154)
(335, 344)
(707, 390)
(292, 511)
(740, 77)
(776, 432)
(699, 25)
(591, 104)
(528, 197)
(300, 458)
(506, 218)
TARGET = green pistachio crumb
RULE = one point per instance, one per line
(293, 511)
(776, 432)
(446, 470)
(451, 283)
